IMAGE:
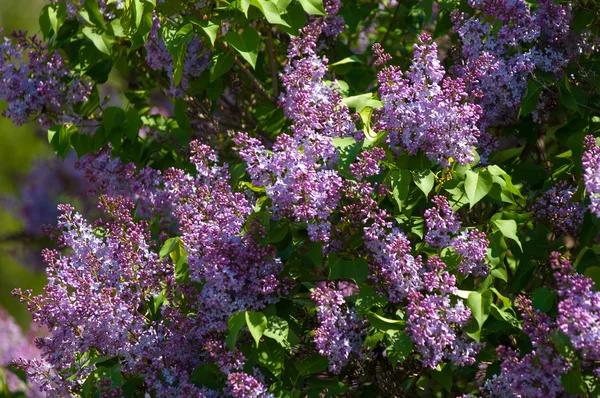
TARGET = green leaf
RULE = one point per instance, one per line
(424, 180)
(60, 139)
(51, 18)
(313, 364)
(102, 41)
(357, 102)
(477, 185)
(398, 346)
(594, 274)
(566, 96)
(383, 323)
(246, 44)
(278, 330)
(210, 29)
(271, 355)
(207, 375)
(257, 324)
(480, 305)
(270, 11)
(508, 228)
(534, 89)
(572, 381)
(368, 298)
(236, 322)
(357, 270)
(443, 377)
(353, 59)
(582, 19)
(400, 181)
(94, 13)
(313, 7)
(543, 299)
(113, 117)
(221, 63)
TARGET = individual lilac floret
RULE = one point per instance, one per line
(37, 84)
(578, 308)
(433, 325)
(591, 173)
(555, 209)
(242, 385)
(338, 334)
(425, 111)
(441, 223)
(472, 246)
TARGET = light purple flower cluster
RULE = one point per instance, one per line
(339, 332)
(237, 273)
(14, 344)
(298, 173)
(159, 58)
(471, 245)
(578, 308)
(242, 385)
(111, 177)
(533, 374)
(434, 317)
(92, 299)
(427, 111)
(503, 44)
(591, 173)
(433, 325)
(555, 209)
(37, 84)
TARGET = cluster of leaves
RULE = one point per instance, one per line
(246, 42)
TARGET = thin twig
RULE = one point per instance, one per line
(272, 62)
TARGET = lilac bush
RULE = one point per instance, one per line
(313, 198)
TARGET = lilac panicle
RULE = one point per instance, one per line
(591, 173)
(37, 83)
(423, 110)
(441, 222)
(338, 334)
(578, 308)
(298, 173)
(242, 385)
(504, 44)
(15, 344)
(236, 271)
(555, 209)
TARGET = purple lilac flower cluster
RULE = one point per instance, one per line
(298, 173)
(578, 308)
(242, 385)
(36, 83)
(425, 110)
(159, 58)
(339, 331)
(555, 209)
(533, 374)
(434, 315)
(111, 177)
(495, 63)
(591, 173)
(471, 245)
(237, 273)
(96, 292)
(14, 344)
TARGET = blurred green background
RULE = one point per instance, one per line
(19, 146)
